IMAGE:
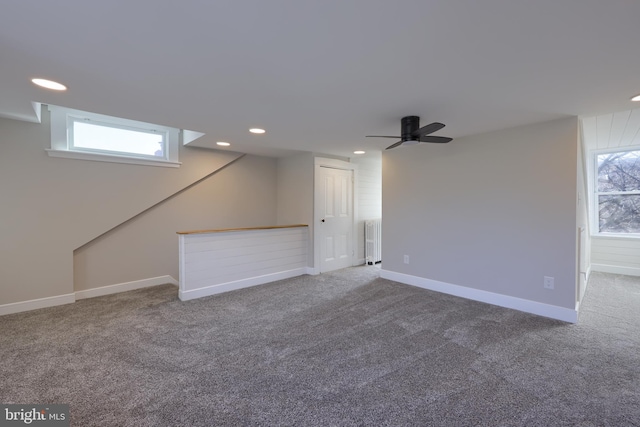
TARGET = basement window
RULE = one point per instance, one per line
(617, 192)
(89, 136)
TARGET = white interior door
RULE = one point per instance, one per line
(335, 217)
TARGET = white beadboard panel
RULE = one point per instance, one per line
(616, 259)
(613, 269)
(206, 255)
(219, 248)
(258, 242)
(222, 243)
(623, 255)
(223, 274)
(589, 133)
(239, 284)
(616, 252)
(265, 259)
(610, 131)
(616, 242)
(231, 260)
(239, 238)
(250, 261)
(203, 282)
(618, 127)
(603, 124)
(369, 188)
(369, 195)
(214, 235)
(631, 131)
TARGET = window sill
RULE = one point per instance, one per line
(78, 155)
(617, 236)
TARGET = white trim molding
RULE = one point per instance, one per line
(312, 271)
(615, 269)
(527, 306)
(99, 157)
(62, 140)
(35, 304)
(239, 284)
(125, 287)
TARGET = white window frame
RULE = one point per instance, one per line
(594, 205)
(62, 120)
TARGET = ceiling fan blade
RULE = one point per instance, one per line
(381, 136)
(394, 145)
(430, 128)
(436, 139)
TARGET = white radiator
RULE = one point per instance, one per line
(373, 241)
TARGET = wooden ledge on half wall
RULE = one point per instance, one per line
(224, 230)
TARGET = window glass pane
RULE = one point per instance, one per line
(98, 137)
(619, 213)
(619, 171)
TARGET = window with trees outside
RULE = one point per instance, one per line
(617, 192)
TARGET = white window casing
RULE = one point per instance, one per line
(63, 143)
(597, 193)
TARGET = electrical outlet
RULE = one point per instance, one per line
(549, 282)
(406, 259)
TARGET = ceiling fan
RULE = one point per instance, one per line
(412, 133)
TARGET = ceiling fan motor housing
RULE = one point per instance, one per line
(410, 124)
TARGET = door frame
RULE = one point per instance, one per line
(317, 213)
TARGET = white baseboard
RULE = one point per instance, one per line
(124, 287)
(614, 269)
(18, 307)
(541, 309)
(34, 304)
(240, 284)
(312, 271)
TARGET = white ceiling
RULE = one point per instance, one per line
(321, 74)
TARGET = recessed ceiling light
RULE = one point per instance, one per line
(636, 98)
(358, 152)
(48, 84)
(257, 130)
(223, 144)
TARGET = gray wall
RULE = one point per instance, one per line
(295, 193)
(494, 212)
(241, 195)
(295, 189)
(52, 206)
